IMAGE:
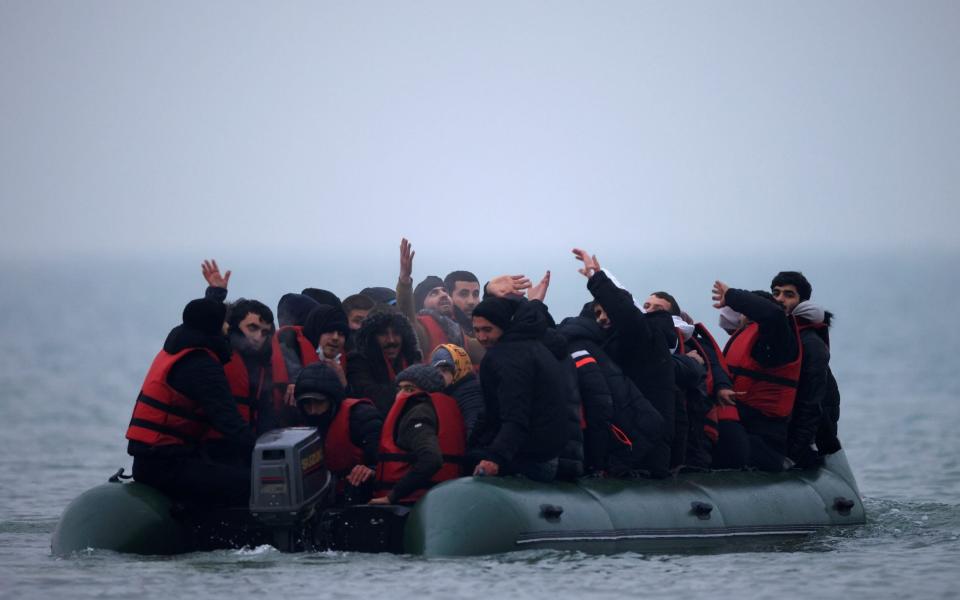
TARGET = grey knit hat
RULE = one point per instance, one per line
(425, 377)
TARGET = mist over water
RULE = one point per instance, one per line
(78, 339)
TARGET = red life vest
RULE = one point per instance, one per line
(281, 377)
(340, 453)
(395, 462)
(770, 390)
(436, 336)
(162, 416)
(239, 379)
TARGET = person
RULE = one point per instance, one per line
(640, 343)
(764, 357)
(430, 309)
(184, 395)
(249, 328)
(380, 295)
(621, 429)
(290, 351)
(527, 420)
(386, 345)
(464, 290)
(813, 423)
(321, 296)
(460, 381)
(327, 327)
(423, 439)
(350, 427)
(357, 307)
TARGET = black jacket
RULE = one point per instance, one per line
(526, 394)
(611, 398)
(200, 377)
(813, 393)
(641, 345)
(469, 396)
(417, 434)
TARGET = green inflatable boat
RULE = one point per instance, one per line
(711, 511)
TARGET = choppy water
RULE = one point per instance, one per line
(76, 341)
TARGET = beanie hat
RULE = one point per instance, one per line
(425, 377)
(206, 316)
(323, 319)
(380, 295)
(498, 311)
(322, 296)
(318, 379)
(423, 289)
(294, 308)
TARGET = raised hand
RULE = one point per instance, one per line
(720, 294)
(211, 272)
(539, 291)
(590, 263)
(406, 261)
(504, 285)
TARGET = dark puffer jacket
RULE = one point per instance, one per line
(527, 394)
(611, 398)
(368, 375)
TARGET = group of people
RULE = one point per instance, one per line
(413, 385)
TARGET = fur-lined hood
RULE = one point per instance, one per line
(377, 322)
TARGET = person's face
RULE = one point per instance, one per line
(487, 333)
(389, 342)
(654, 303)
(315, 407)
(447, 374)
(356, 317)
(255, 330)
(439, 300)
(466, 296)
(408, 387)
(787, 297)
(601, 316)
(331, 343)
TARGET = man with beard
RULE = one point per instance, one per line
(350, 427)
(386, 345)
(464, 290)
(249, 328)
(430, 309)
(184, 395)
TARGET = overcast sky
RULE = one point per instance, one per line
(133, 128)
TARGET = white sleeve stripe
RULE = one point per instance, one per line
(579, 354)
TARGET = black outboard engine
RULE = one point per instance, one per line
(290, 485)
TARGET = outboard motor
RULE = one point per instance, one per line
(290, 485)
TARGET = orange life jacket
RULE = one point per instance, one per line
(770, 390)
(281, 377)
(162, 416)
(239, 379)
(718, 412)
(395, 462)
(340, 453)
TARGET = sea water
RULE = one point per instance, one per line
(77, 338)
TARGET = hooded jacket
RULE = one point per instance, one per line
(526, 392)
(816, 409)
(368, 373)
(611, 400)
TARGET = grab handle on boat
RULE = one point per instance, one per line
(843, 505)
(116, 477)
(551, 512)
(701, 509)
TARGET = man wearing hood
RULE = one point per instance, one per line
(350, 427)
(622, 427)
(640, 343)
(527, 421)
(430, 309)
(386, 345)
(460, 381)
(185, 395)
(813, 423)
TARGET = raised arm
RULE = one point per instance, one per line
(405, 282)
(216, 283)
